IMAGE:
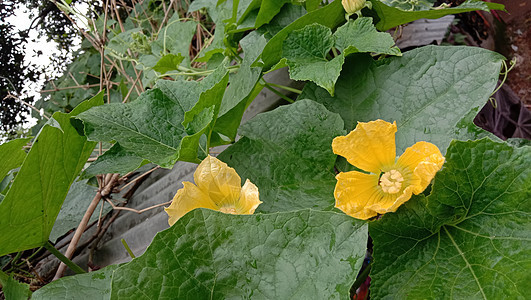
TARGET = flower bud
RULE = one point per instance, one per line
(352, 6)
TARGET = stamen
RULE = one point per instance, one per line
(391, 182)
(228, 210)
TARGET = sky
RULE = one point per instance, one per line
(21, 20)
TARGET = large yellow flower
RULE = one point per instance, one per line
(390, 182)
(218, 188)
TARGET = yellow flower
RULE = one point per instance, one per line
(352, 6)
(218, 188)
(391, 182)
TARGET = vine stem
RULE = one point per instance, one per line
(63, 258)
(128, 249)
(287, 88)
(278, 93)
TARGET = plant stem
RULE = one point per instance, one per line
(363, 276)
(278, 93)
(287, 88)
(63, 258)
(128, 249)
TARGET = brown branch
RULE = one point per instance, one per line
(81, 86)
(136, 210)
(139, 177)
(111, 178)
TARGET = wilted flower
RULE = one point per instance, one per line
(218, 187)
(352, 6)
(391, 182)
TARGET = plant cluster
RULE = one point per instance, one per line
(325, 201)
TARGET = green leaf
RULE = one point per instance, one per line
(119, 44)
(74, 207)
(165, 123)
(287, 15)
(306, 50)
(218, 13)
(12, 155)
(390, 16)
(360, 35)
(168, 62)
(114, 160)
(287, 153)
(29, 209)
(175, 38)
(93, 285)
(428, 91)
(13, 289)
(268, 10)
(330, 16)
(210, 255)
(469, 239)
(242, 85)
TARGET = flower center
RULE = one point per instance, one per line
(391, 182)
(228, 210)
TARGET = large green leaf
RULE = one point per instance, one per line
(431, 92)
(394, 13)
(330, 16)
(469, 239)
(164, 124)
(210, 255)
(74, 207)
(114, 160)
(287, 153)
(241, 86)
(58, 154)
(93, 285)
(12, 155)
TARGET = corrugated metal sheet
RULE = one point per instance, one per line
(424, 31)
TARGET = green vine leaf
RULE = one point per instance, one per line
(469, 239)
(54, 161)
(93, 285)
(164, 124)
(243, 86)
(210, 255)
(330, 16)
(218, 13)
(12, 155)
(114, 160)
(13, 289)
(306, 50)
(360, 35)
(287, 153)
(411, 91)
(168, 62)
(393, 13)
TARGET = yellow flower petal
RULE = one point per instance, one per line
(424, 160)
(187, 199)
(355, 192)
(249, 198)
(352, 6)
(219, 181)
(370, 147)
(391, 202)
